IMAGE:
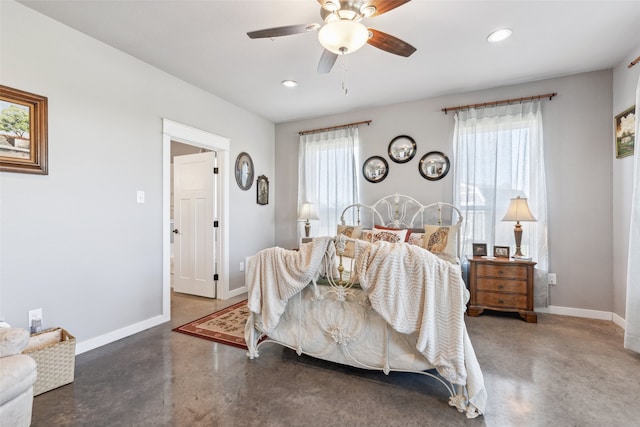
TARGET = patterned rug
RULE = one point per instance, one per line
(225, 326)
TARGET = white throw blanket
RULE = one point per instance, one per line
(415, 291)
(275, 274)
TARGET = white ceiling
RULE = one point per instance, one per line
(205, 43)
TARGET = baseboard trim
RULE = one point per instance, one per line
(619, 321)
(576, 312)
(90, 344)
(235, 292)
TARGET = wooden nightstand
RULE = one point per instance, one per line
(502, 285)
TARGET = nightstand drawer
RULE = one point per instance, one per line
(507, 271)
(490, 299)
(502, 285)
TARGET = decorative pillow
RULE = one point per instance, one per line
(381, 227)
(440, 239)
(416, 239)
(353, 232)
(391, 236)
(366, 235)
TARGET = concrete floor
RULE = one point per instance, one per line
(563, 371)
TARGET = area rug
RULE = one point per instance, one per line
(225, 326)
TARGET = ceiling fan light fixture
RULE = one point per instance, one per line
(331, 5)
(368, 10)
(499, 35)
(343, 37)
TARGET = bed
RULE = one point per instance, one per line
(373, 297)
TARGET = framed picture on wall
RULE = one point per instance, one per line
(263, 190)
(625, 128)
(244, 171)
(23, 132)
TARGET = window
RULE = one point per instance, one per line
(327, 176)
(498, 155)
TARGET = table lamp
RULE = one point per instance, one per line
(518, 211)
(307, 212)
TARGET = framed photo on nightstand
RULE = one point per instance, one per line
(479, 249)
(501, 251)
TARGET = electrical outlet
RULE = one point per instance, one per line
(35, 320)
(552, 279)
(242, 266)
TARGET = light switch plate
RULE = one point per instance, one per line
(140, 196)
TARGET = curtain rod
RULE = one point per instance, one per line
(504, 101)
(634, 62)
(306, 132)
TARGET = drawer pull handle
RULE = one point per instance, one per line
(500, 286)
(500, 301)
(500, 272)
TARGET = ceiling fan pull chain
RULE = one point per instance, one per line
(345, 70)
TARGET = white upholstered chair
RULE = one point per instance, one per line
(17, 375)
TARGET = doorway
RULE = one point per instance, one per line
(187, 135)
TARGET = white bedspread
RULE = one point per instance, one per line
(413, 290)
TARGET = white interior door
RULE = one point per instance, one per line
(194, 215)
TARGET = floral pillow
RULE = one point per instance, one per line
(366, 235)
(391, 236)
(416, 239)
(406, 237)
(440, 239)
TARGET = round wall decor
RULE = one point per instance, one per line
(402, 149)
(434, 165)
(375, 169)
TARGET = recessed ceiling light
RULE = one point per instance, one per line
(499, 35)
(289, 83)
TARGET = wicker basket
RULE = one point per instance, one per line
(56, 362)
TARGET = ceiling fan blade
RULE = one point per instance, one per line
(327, 60)
(390, 43)
(384, 6)
(282, 31)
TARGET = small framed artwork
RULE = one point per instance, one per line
(501, 251)
(263, 190)
(479, 249)
(23, 132)
(625, 127)
(244, 171)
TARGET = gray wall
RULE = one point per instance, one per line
(577, 132)
(625, 81)
(75, 242)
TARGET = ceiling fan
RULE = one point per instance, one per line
(342, 32)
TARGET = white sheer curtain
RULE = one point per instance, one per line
(327, 176)
(632, 313)
(498, 155)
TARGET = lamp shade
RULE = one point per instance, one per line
(518, 210)
(344, 36)
(307, 212)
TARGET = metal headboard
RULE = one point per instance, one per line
(400, 211)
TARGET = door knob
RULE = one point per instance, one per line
(175, 231)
